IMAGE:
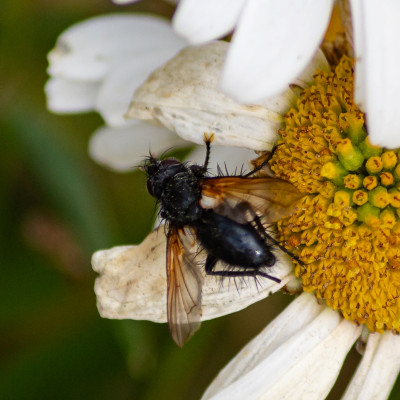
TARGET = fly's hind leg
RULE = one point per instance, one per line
(211, 262)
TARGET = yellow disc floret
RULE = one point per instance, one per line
(346, 228)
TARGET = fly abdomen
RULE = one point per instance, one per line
(236, 244)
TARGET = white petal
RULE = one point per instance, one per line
(359, 43)
(117, 90)
(66, 96)
(377, 78)
(183, 96)
(378, 369)
(319, 62)
(298, 356)
(200, 21)
(230, 159)
(88, 50)
(274, 42)
(132, 283)
(122, 149)
(301, 312)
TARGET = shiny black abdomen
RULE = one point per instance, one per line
(236, 244)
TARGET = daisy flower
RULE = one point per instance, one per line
(345, 230)
(97, 65)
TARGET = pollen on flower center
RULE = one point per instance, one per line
(346, 228)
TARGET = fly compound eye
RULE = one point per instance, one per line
(169, 161)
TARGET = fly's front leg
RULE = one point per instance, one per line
(208, 139)
(264, 163)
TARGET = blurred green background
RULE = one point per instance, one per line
(57, 207)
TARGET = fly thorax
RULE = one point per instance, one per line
(180, 198)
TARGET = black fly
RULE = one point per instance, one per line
(226, 215)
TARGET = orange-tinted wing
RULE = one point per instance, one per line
(272, 197)
(184, 285)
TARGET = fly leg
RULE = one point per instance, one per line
(211, 261)
(198, 170)
(263, 164)
(208, 139)
(210, 264)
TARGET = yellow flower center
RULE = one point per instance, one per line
(346, 228)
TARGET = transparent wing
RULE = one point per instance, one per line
(272, 197)
(184, 285)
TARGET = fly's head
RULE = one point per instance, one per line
(159, 172)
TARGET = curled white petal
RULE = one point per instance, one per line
(272, 45)
(377, 79)
(299, 355)
(89, 49)
(200, 21)
(65, 96)
(132, 283)
(183, 96)
(122, 149)
(378, 369)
